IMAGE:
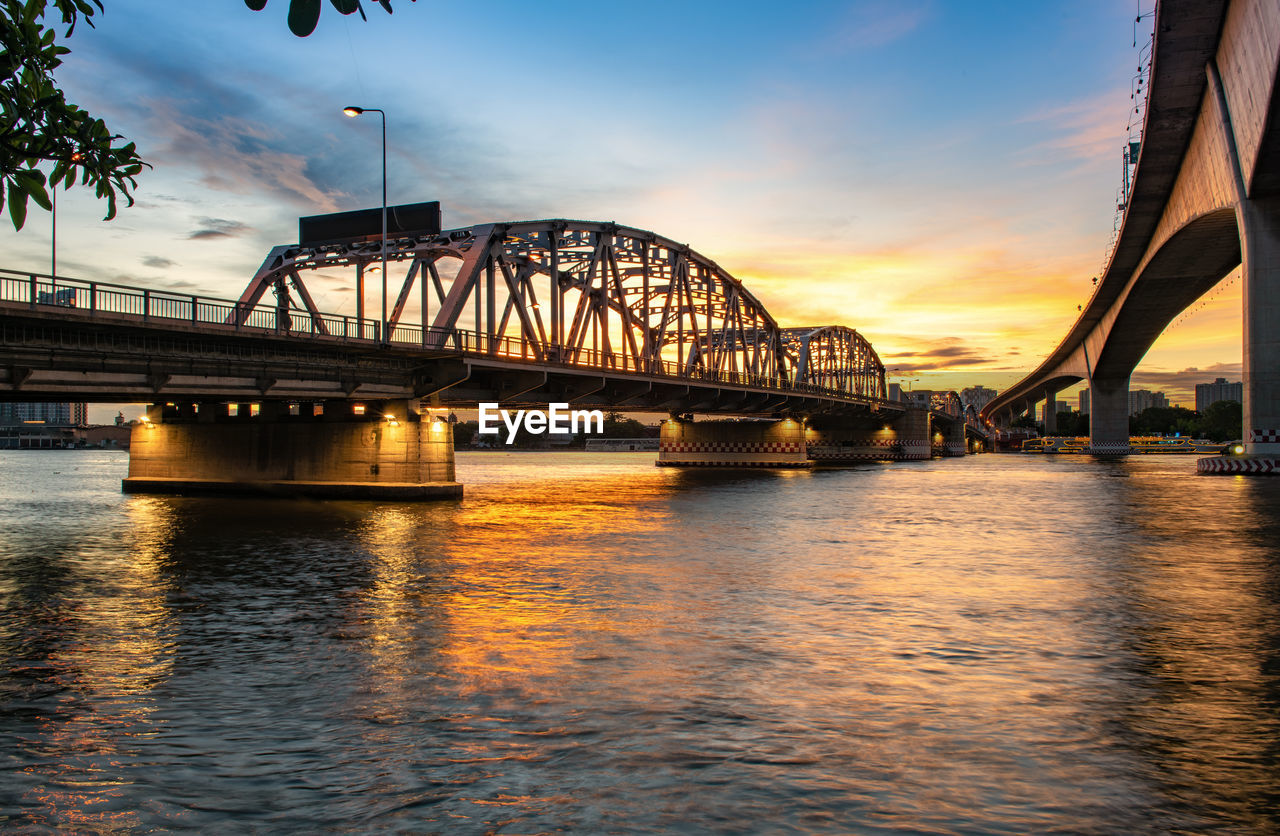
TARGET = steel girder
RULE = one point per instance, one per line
(835, 357)
(580, 293)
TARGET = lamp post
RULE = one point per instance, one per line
(353, 112)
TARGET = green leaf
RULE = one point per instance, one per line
(346, 7)
(32, 183)
(256, 5)
(17, 205)
(303, 16)
(41, 197)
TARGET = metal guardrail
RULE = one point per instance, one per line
(38, 290)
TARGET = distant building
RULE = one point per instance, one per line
(33, 426)
(621, 445)
(104, 435)
(1140, 399)
(1059, 406)
(49, 414)
(978, 396)
(1219, 390)
(920, 398)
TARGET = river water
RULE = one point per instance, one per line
(587, 643)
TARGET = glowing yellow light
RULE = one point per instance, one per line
(391, 420)
(357, 409)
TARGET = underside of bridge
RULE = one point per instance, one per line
(1205, 198)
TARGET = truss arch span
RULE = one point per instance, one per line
(835, 357)
(581, 292)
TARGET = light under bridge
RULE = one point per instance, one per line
(269, 389)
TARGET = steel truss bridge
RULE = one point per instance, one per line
(535, 311)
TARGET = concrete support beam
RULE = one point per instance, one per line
(328, 451)
(901, 438)
(953, 438)
(1109, 417)
(1050, 411)
(914, 433)
(1260, 248)
(732, 444)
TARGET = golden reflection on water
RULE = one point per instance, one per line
(117, 647)
(1207, 637)
(974, 645)
(513, 593)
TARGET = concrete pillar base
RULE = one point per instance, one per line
(404, 491)
(955, 448)
(1109, 417)
(768, 444)
(856, 451)
(338, 450)
(902, 438)
(1244, 465)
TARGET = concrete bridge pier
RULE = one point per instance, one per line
(795, 442)
(1260, 249)
(1050, 411)
(1109, 417)
(835, 441)
(335, 449)
(1259, 224)
(914, 431)
(953, 440)
(732, 443)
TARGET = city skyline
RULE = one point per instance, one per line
(940, 180)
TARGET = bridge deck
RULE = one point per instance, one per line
(101, 342)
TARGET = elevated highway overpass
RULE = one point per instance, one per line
(1205, 198)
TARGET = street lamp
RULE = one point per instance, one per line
(353, 112)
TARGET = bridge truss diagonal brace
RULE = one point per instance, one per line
(468, 279)
(262, 280)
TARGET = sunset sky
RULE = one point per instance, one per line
(939, 175)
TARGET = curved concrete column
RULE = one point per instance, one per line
(1050, 411)
(1260, 248)
(1109, 417)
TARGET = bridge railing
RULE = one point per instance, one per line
(94, 298)
(39, 290)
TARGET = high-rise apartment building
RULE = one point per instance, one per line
(50, 414)
(978, 396)
(1219, 390)
(1140, 399)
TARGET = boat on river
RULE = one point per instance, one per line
(1137, 444)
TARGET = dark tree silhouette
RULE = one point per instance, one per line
(305, 14)
(39, 126)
